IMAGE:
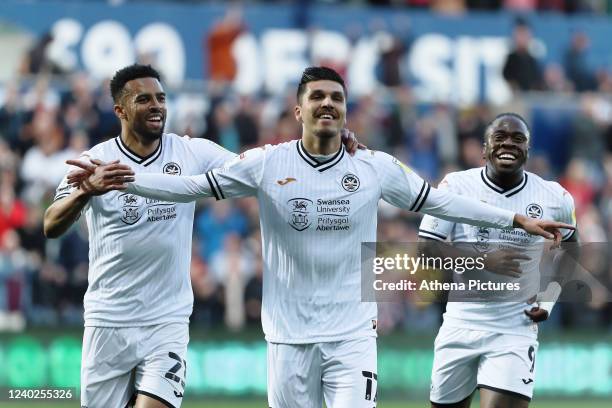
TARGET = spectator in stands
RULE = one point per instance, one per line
(521, 69)
(233, 267)
(216, 222)
(221, 64)
(576, 65)
(12, 116)
(207, 294)
(37, 59)
(13, 212)
(44, 164)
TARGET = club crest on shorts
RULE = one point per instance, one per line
(534, 211)
(350, 182)
(172, 168)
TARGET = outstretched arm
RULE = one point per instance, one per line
(449, 206)
(66, 210)
(404, 188)
(180, 189)
(239, 177)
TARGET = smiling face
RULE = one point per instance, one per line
(322, 108)
(507, 145)
(143, 107)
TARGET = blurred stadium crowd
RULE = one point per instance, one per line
(48, 116)
(445, 6)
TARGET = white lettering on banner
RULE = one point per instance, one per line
(496, 89)
(278, 59)
(362, 68)
(284, 54)
(449, 70)
(108, 46)
(249, 75)
(467, 70)
(429, 63)
(459, 70)
(330, 46)
(165, 44)
(67, 33)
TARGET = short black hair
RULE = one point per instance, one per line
(512, 115)
(126, 74)
(312, 74)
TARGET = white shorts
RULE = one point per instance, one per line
(118, 362)
(468, 359)
(342, 373)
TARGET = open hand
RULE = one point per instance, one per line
(544, 228)
(537, 314)
(97, 178)
(350, 141)
(505, 262)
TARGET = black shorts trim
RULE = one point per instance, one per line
(155, 397)
(511, 393)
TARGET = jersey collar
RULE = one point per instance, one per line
(321, 166)
(508, 192)
(144, 161)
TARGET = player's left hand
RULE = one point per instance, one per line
(350, 141)
(544, 228)
(536, 314)
(98, 177)
(77, 176)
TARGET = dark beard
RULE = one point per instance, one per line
(148, 134)
(326, 133)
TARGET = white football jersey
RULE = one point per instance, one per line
(140, 248)
(314, 217)
(533, 197)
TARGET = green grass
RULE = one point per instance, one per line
(262, 404)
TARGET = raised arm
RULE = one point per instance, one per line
(404, 188)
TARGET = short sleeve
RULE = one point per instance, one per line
(64, 189)
(209, 155)
(433, 227)
(241, 176)
(400, 186)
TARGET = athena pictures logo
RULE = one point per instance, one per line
(172, 168)
(534, 211)
(300, 218)
(350, 182)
